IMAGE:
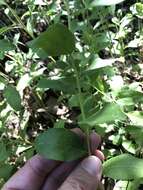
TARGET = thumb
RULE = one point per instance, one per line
(86, 176)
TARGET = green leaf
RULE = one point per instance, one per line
(105, 2)
(13, 97)
(136, 133)
(108, 114)
(2, 55)
(97, 42)
(2, 2)
(6, 28)
(5, 171)
(98, 66)
(73, 101)
(62, 84)
(3, 152)
(3, 80)
(136, 117)
(123, 167)
(88, 104)
(127, 185)
(23, 82)
(59, 124)
(137, 9)
(135, 95)
(5, 45)
(98, 63)
(126, 101)
(135, 184)
(129, 146)
(57, 40)
(60, 144)
(29, 27)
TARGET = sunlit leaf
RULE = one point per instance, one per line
(2, 2)
(39, 2)
(98, 66)
(123, 167)
(137, 9)
(6, 28)
(136, 117)
(108, 114)
(127, 185)
(105, 2)
(98, 63)
(129, 146)
(23, 82)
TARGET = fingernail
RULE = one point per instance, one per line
(92, 165)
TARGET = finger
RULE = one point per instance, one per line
(95, 139)
(86, 176)
(58, 176)
(32, 175)
(100, 155)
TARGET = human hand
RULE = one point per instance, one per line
(42, 174)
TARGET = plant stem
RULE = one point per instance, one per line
(127, 185)
(108, 97)
(19, 21)
(82, 111)
(78, 85)
(68, 11)
(87, 131)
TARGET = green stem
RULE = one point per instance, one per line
(78, 85)
(87, 131)
(127, 185)
(19, 20)
(82, 111)
(108, 97)
(102, 17)
(68, 11)
(86, 15)
(80, 96)
(38, 99)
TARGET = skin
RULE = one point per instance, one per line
(42, 174)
